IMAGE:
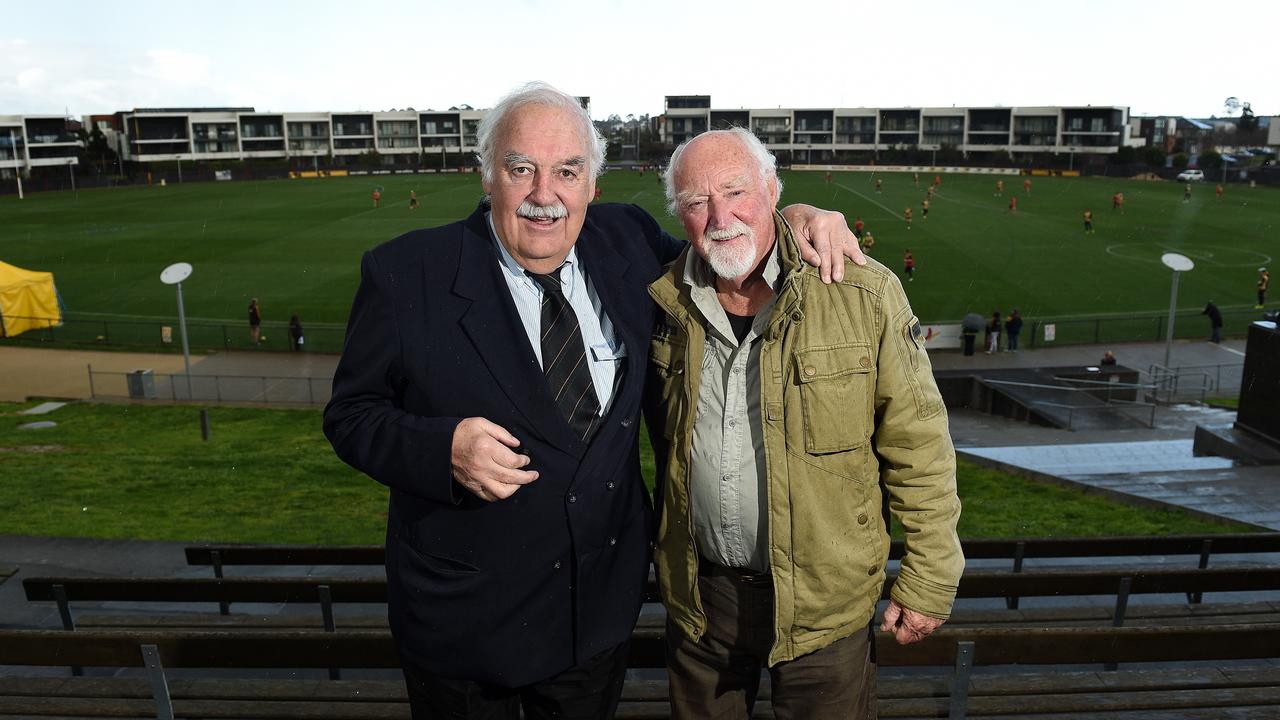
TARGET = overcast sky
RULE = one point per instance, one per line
(1167, 58)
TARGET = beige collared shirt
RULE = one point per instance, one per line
(729, 492)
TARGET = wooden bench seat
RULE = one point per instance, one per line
(1075, 616)
(1212, 690)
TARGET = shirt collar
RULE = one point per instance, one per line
(512, 268)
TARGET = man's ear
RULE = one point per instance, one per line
(774, 195)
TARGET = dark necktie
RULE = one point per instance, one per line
(564, 359)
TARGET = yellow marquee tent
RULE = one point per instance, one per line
(28, 300)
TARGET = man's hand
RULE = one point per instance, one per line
(824, 235)
(484, 463)
(907, 625)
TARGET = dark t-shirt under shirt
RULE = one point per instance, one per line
(741, 324)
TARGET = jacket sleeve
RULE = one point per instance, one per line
(665, 246)
(918, 462)
(365, 419)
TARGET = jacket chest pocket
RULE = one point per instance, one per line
(835, 390)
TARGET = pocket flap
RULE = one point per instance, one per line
(824, 363)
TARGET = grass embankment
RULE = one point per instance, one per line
(269, 476)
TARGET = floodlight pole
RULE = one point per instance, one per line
(1178, 264)
(186, 352)
(72, 172)
(1168, 333)
(17, 164)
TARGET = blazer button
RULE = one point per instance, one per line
(557, 565)
(865, 362)
(810, 371)
(862, 518)
(797, 316)
(873, 570)
(610, 485)
(626, 422)
(573, 498)
(613, 541)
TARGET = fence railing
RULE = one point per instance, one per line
(1195, 381)
(179, 387)
(1087, 396)
(328, 337)
(1135, 327)
(202, 334)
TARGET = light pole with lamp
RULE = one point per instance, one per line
(174, 275)
(1178, 264)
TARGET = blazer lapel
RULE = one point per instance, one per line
(494, 328)
(607, 270)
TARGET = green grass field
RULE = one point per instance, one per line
(269, 476)
(295, 244)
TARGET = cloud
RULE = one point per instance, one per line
(175, 67)
(31, 78)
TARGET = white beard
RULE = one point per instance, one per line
(732, 259)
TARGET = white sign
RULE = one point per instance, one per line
(1050, 332)
(942, 337)
(221, 174)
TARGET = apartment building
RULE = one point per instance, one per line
(28, 141)
(818, 135)
(397, 137)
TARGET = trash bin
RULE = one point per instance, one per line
(142, 384)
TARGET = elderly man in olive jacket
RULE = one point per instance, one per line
(781, 411)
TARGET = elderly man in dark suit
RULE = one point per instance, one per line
(491, 378)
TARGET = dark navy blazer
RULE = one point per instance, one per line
(515, 591)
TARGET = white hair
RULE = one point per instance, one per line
(494, 125)
(766, 163)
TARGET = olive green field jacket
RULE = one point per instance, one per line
(850, 411)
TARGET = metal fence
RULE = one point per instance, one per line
(202, 334)
(179, 387)
(142, 333)
(1133, 327)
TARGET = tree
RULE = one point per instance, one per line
(1153, 156)
(1210, 160)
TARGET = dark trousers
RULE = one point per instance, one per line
(718, 677)
(969, 339)
(588, 691)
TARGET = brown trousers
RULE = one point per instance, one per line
(718, 677)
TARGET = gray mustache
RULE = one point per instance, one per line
(538, 212)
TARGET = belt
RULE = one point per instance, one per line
(708, 568)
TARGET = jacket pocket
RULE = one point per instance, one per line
(835, 385)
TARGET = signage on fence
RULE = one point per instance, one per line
(912, 168)
(942, 337)
(221, 174)
(1050, 332)
(166, 334)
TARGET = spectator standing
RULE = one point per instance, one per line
(1215, 321)
(1108, 358)
(295, 332)
(1264, 279)
(255, 322)
(993, 332)
(1012, 327)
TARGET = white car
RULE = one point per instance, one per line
(1191, 175)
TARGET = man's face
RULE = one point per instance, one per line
(541, 186)
(724, 205)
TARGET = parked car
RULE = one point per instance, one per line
(1191, 175)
